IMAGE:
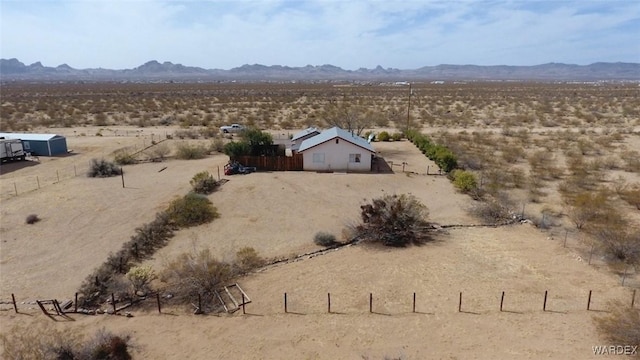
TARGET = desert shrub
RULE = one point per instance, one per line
(195, 273)
(32, 219)
(236, 148)
(209, 132)
(620, 243)
(588, 207)
(247, 259)
(393, 220)
(47, 342)
(192, 209)
(494, 210)
(631, 196)
(103, 168)
(204, 183)
(123, 157)
(141, 277)
(217, 145)
(396, 136)
(185, 151)
(464, 181)
(186, 134)
(159, 152)
(383, 136)
(621, 326)
(322, 238)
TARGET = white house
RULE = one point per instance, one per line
(336, 149)
(298, 138)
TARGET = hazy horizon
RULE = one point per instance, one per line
(348, 34)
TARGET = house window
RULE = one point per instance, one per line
(354, 158)
(318, 158)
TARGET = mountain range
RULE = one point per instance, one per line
(14, 70)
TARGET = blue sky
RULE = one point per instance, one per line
(351, 34)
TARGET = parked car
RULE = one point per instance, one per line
(233, 128)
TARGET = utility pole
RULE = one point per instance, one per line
(409, 107)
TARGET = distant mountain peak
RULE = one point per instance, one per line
(13, 69)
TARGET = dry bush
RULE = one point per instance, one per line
(247, 259)
(496, 209)
(103, 168)
(217, 145)
(196, 273)
(124, 157)
(588, 207)
(159, 151)
(204, 183)
(185, 151)
(621, 326)
(393, 220)
(32, 219)
(325, 239)
(46, 342)
(620, 243)
(631, 195)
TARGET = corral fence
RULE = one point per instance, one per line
(12, 187)
(547, 301)
(272, 163)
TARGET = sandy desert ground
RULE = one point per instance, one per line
(277, 213)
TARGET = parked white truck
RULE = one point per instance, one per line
(11, 149)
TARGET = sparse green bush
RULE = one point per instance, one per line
(393, 220)
(464, 181)
(185, 151)
(396, 136)
(322, 238)
(141, 277)
(191, 210)
(103, 168)
(32, 219)
(236, 148)
(383, 136)
(204, 183)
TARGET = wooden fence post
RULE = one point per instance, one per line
(460, 302)
(633, 298)
(589, 301)
(243, 304)
(370, 302)
(414, 302)
(15, 306)
(218, 172)
(285, 303)
(122, 175)
(544, 305)
(75, 304)
(158, 300)
(501, 301)
(113, 302)
(329, 303)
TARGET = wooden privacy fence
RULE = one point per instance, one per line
(272, 163)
